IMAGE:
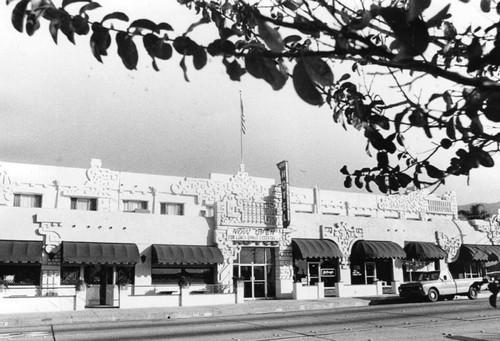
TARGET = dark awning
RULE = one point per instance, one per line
(481, 252)
(371, 249)
(100, 253)
(315, 248)
(423, 250)
(20, 251)
(186, 254)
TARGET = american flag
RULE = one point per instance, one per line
(243, 118)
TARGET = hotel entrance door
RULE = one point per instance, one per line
(255, 266)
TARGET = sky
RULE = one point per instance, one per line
(59, 106)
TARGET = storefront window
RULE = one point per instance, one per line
(412, 268)
(172, 275)
(466, 269)
(70, 275)
(125, 275)
(20, 274)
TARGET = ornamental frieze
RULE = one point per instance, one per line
(98, 184)
(239, 187)
(248, 213)
(450, 245)
(489, 226)
(411, 202)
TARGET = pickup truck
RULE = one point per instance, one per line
(439, 285)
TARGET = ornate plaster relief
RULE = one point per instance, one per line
(450, 245)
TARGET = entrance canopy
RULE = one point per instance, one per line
(17, 251)
(423, 250)
(100, 253)
(186, 254)
(480, 252)
(315, 248)
(372, 249)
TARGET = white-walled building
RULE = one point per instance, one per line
(67, 228)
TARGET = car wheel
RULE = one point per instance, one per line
(433, 295)
(472, 294)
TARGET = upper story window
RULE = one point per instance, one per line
(134, 205)
(208, 212)
(27, 200)
(171, 208)
(84, 204)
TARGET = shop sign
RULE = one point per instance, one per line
(327, 272)
(356, 270)
(285, 192)
(254, 234)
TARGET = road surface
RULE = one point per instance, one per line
(462, 320)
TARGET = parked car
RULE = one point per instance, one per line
(439, 285)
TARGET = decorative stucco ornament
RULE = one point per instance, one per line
(98, 184)
(239, 187)
(51, 238)
(490, 226)
(6, 193)
(344, 236)
(241, 201)
(450, 245)
(411, 202)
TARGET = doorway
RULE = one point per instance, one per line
(255, 266)
(100, 288)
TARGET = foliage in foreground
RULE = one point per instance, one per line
(407, 43)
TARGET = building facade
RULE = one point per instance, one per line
(98, 229)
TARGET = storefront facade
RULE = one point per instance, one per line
(100, 229)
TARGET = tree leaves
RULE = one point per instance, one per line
(411, 32)
(304, 86)
(115, 15)
(271, 37)
(100, 41)
(127, 50)
(247, 40)
(265, 68)
(18, 15)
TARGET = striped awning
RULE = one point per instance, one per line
(100, 253)
(315, 248)
(423, 250)
(186, 254)
(372, 249)
(20, 251)
(481, 252)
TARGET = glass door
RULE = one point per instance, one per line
(370, 272)
(313, 272)
(255, 267)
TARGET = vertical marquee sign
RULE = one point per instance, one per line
(285, 192)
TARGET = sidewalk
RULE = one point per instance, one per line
(92, 315)
(96, 315)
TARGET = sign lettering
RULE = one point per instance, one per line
(254, 234)
(285, 192)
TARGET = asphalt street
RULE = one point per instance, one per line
(449, 320)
